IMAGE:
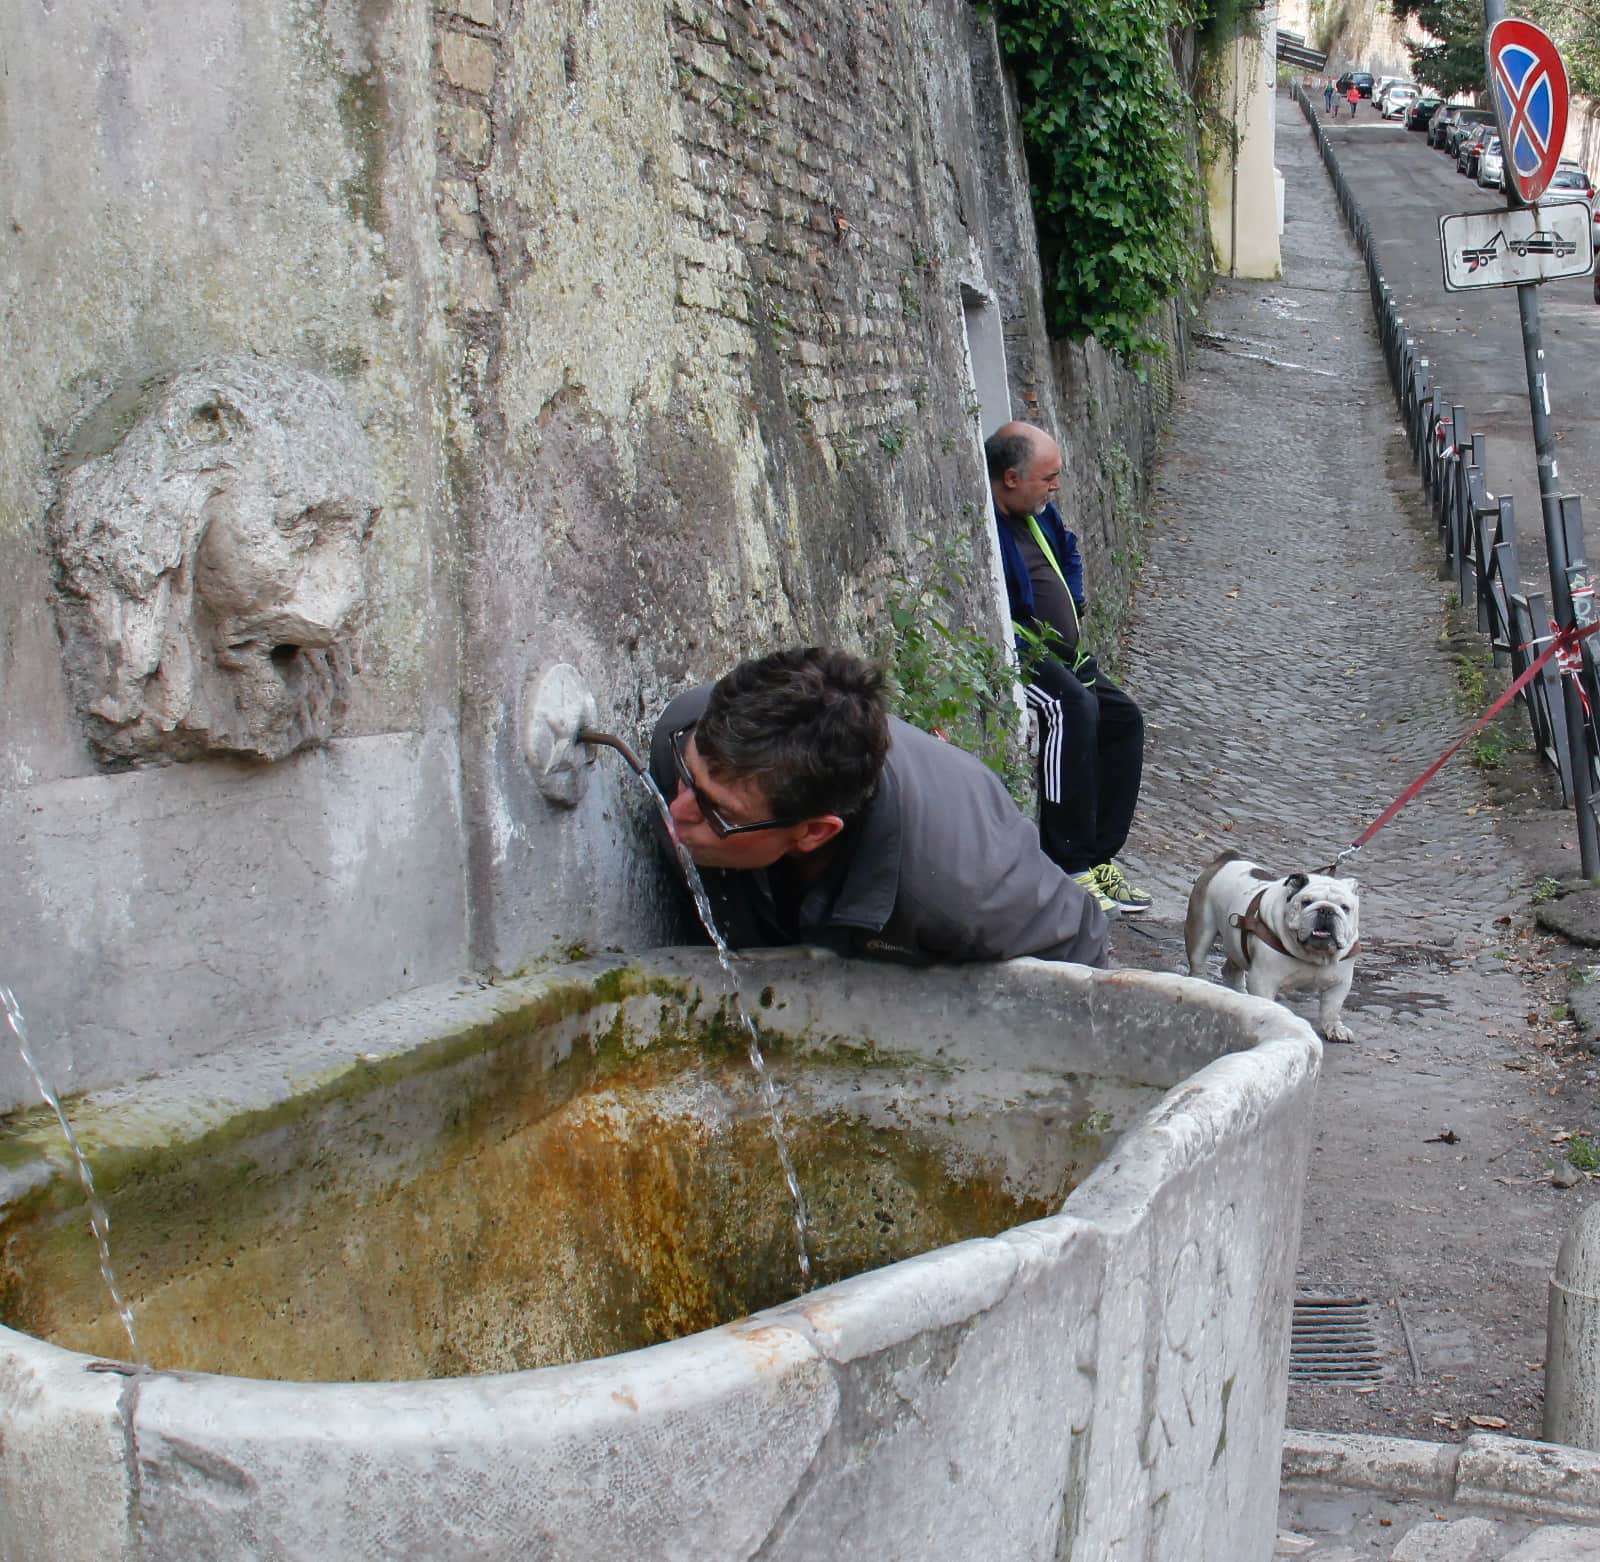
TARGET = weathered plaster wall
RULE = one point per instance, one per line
(1241, 181)
(184, 180)
(653, 313)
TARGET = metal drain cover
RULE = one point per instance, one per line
(1332, 1340)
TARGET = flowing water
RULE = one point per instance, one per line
(758, 1062)
(99, 1221)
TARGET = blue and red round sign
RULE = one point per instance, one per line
(1529, 83)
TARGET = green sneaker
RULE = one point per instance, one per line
(1113, 884)
(1091, 886)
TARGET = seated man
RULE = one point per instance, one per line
(1091, 735)
(817, 818)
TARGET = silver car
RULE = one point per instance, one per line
(1491, 165)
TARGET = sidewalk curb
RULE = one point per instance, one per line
(1508, 1473)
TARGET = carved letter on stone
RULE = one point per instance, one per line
(209, 532)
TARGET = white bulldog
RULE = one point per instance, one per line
(1299, 931)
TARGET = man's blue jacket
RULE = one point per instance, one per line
(1064, 544)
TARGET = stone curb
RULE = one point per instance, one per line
(1508, 1473)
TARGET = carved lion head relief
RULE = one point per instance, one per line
(209, 532)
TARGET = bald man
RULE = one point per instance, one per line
(1091, 735)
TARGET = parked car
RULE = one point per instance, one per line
(1467, 120)
(1491, 166)
(1397, 100)
(1571, 180)
(1442, 123)
(1470, 147)
(1361, 80)
(1420, 115)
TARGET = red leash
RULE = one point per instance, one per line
(1564, 646)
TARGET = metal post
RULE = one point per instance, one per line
(1544, 444)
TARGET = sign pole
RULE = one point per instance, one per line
(1544, 444)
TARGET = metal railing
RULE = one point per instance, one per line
(1476, 527)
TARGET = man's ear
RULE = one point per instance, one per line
(817, 832)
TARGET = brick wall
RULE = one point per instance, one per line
(703, 281)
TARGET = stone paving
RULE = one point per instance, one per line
(1286, 647)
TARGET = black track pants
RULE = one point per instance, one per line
(1091, 756)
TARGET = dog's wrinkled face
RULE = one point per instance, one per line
(1321, 913)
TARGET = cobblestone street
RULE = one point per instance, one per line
(1291, 648)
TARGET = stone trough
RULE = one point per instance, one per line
(511, 1272)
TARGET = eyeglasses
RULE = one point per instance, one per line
(713, 816)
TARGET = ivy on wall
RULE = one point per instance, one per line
(1108, 130)
(1106, 126)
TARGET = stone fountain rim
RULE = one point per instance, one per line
(836, 1322)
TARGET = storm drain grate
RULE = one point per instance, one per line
(1332, 1340)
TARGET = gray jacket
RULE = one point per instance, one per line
(940, 866)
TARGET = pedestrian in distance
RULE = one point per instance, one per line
(815, 817)
(1091, 734)
(1327, 95)
(1354, 95)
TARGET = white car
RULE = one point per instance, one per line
(1398, 99)
(1386, 85)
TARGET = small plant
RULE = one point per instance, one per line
(1487, 750)
(1546, 888)
(949, 678)
(1471, 685)
(1583, 1154)
(910, 299)
(891, 441)
(846, 449)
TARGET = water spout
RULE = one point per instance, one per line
(605, 740)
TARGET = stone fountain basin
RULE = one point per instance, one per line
(512, 1272)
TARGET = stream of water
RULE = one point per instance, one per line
(99, 1221)
(725, 957)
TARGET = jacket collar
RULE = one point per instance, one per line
(866, 897)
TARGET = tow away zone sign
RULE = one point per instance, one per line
(1524, 244)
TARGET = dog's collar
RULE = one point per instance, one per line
(1249, 921)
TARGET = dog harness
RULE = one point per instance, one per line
(1249, 922)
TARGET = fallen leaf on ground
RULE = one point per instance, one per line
(1494, 1423)
(1449, 1136)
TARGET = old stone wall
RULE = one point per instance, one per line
(672, 327)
